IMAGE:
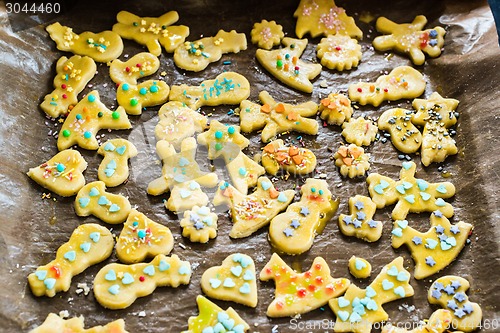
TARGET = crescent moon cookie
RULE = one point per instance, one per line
(88, 245)
(335, 109)
(404, 135)
(360, 223)
(339, 52)
(401, 82)
(140, 65)
(114, 169)
(291, 159)
(199, 224)
(102, 47)
(266, 34)
(55, 324)
(352, 161)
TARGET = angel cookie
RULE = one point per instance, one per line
(88, 245)
(140, 65)
(359, 268)
(102, 47)
(62, 174)
(55, 324)
(114, 169)
(293, 231)
(404, 135)
(199, 224)
(409, 38)
(438, 322)
(196, 56)
(267, 34)
(291, 159)
(285, 64)
(360, 223)
(352, 161)
(335, 109)
(72, 76)
(152, 31)
(339, 52)
(401, 82)
(360, 131)
(298, 293)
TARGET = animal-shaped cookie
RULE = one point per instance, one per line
(55, 324)
(410, 194)
(436, 115)
(253, 211)
(152, 32)
(295, 160)
(86, 119)
(196, 56)
(401, 82)
(102, 47)
(404, 135)
(233, 281)
(93, 199)
(267, 34)
(62, 174)
(226, 88)
(360, 131)
(114, 169)
(360, 223)
(117, 286)
(435, 249)
(339, 52)
(293, 231)
(141, 238)
(213, 319)
(298, 293)
(352, 161)
(88, 245)
(72, 75)
(449, 292)
(140, 65)
(409, 38)
(133, 98)
(199, 224)
(275, 118)
(285, 64)
(335, 109)
(323, 17)
(358, 309)
(359, 268)
(438, 322)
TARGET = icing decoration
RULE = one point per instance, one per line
(360, 131)
(339, 52)
(114, 169)
(55, 324)
(335, 109)
(360, 223)
(134, 98)
(199, 224)
(291, 159)
(266, 34)
(140, 65)
(438, 322)
(360, 268)
(404, 135)
(352, 160)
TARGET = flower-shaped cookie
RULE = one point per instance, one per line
(352, 161)
(335, 109)
(360, 131)
(199, 224)
(267, 34)
(339, 52)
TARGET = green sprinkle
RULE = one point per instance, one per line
(66, 133)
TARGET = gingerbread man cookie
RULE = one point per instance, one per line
(293, 231)
(401, 82)
(335, 109)
(199, 224)
(352, 161)
(359, 268)
(102, 47)
(291, 159)
(360, 131)
(55, 324)
(404, 135)
(438, 322)
(339, 52)
(285, 64)
(62, 174)
(140, 65)
(72, 76)
(88, 245)
(267, 34)
(152, 31)
(298, 293)
(114, 169)
(360, 223)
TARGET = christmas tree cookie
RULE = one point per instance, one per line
(114, 169)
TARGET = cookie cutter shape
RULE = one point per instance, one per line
(141, 238)
(335, 109)
(291, 159)
(298, 293)
(293, 231)
(102, 47)
(435, 249)
(55, 324)
(86, 119)
(72, 75)
(409, 38)
(352, 161)
(199, 224)
(253, 211)
(275, 118)
(114, 169)
(152, 32)
(410, 194)
(140, 65)
(404, 135)
(88, 245)
(360, 223)
(134, 98)
(196, 56)
(117, 286)
(266, 34)
(360, 131)
(339, 52)
(438, 322)
(358, 309)
(285, 64)
(401, 82)
(93, 199)
(359, 268)
(233, 281)
(62, 174)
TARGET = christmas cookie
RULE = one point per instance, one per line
(117, 286)
(253, 211)
(102, 47)
(298, 293)
(196, 56)
(293, 231)
(360, 223)
(409, 38)
(140, 65)
(141, 238)
(339, 52)
(113, 169)
(291, 159)
(434, 249)
(275, 118)
(133, 98)
(285, 64)
(439, 321)
(199, 224)
(410, 194)
(404, 135)
(55, 324)
(359, 268)
(72, 75)
(267, 34)
(335, 109)
(88, 245)
(93, 199)
(152, 31)
(86, 119)
(233, 281)
(226, 88)
(401, 82)
(352, 161)
(360, 131)
(62, 174)
(358, 309)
